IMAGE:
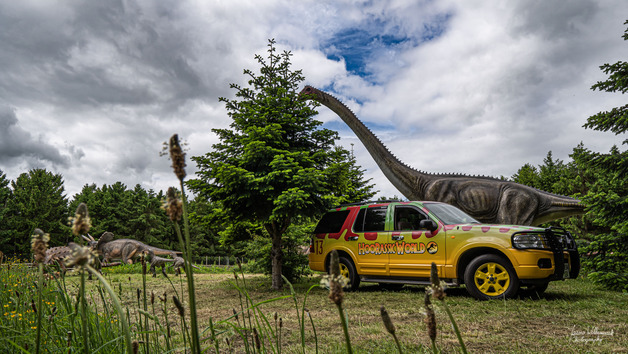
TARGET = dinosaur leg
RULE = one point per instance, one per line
(128, 252)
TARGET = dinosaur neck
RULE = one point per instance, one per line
(406, 179)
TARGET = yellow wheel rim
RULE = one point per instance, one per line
(492, 279)
(344, 271)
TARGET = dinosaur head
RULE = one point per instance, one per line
(96, 244)
(91, 242)
(310, 93)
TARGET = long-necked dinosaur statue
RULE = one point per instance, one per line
(487, 199)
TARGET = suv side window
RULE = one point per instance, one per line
(370, 219)
(331, 222)
(407, 218)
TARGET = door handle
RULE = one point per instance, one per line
(353, 238)
(397, 237)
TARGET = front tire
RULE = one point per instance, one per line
(347, 270)
(490, 277)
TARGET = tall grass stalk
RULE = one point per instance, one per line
(145, 305)
(178, 164)
(116, 302)
(436, 291)
(40, 302)
(83, 307)
(336, 295)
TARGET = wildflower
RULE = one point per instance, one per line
(81, 256)
(174, 207)
(178, 157)
(39, 245)
(81, 223)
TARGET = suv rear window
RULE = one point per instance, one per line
(331, 222)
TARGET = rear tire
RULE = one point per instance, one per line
(347, 270)
(490, 277)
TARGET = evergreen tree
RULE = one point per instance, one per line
(527, 175)
(607, 197)
(615, 120)
(275, 164)
(550, 173)
(5, 196)
(38, 201)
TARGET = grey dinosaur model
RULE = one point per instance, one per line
(159, 262)
(124, 248)
(487, 199)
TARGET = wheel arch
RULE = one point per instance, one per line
(341, 253)
(471, 254)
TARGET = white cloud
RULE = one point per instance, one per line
(91, 90)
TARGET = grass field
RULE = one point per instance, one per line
(572, 316)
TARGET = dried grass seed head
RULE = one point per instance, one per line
(436, 288)
(174, 206)
(178, 157)
(390, 327)
(81, 256)
(430, 318)
(39, 245)
(179, 306)
(81, 222)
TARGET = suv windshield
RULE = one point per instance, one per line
(449, 214)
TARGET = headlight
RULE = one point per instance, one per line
(529, 241)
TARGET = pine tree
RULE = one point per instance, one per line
(275, 164)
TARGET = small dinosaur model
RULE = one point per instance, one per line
(124, 249)
(176, 263)
(487, 199)
(158, 262)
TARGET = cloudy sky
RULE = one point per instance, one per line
(91, 89)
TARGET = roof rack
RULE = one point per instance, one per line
(369, 202)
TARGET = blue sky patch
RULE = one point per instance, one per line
(360, 45)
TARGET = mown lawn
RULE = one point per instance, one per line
(572, 316)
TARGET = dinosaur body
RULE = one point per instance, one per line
(159, 262)
(124, 249)
(57, 255)
(487, 199)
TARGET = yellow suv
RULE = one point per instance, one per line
(396, 243)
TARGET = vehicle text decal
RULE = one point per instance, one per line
(399, 248)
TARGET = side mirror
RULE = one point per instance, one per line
(428, 224)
